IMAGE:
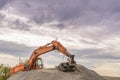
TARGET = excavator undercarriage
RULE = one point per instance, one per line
(66, 67)
(69, 66)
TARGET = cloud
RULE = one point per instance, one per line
(12, 20)
(7, 59)
(95, 54)
(52, 59)
(105, 67)
(89, 29)
(15, 49)
(108, 69)
(4, 2)
(69, 12)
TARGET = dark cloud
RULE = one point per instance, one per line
(1, 17)
(76, 13)
(4, 2)
(88, 42)
(94, 54)
(21, 50)
(17, 24)
(15, 49)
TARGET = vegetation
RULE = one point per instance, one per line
(4, 72)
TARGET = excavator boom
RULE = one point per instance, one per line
(54, 45)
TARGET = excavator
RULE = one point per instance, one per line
(36, 63)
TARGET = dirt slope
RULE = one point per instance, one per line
(111, 78)
(54, 74)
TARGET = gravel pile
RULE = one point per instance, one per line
(82, 73)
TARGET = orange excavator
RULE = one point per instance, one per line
(34, 61)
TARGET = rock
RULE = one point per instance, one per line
(82, 73)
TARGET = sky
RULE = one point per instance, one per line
(89, 29)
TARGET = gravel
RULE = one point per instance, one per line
(82, 73)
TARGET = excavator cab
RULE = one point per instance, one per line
(39, 63)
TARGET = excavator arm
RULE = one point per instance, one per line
(54, 45)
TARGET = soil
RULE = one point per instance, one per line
(82, 73)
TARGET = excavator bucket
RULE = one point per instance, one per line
(66, 67)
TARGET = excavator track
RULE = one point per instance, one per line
(66, 67)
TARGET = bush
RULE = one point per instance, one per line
(4, 72)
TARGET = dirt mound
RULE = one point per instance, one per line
(82, 73)
(111, 78)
